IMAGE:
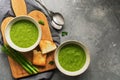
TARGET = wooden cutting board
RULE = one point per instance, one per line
(16, 69)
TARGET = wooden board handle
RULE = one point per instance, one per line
(19, 7)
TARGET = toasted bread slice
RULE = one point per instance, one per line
(39, 59)
(47, 46)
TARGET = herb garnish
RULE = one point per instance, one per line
(64, 33)
(51, 62)
(41, 22)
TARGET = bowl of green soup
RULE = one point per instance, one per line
(23, 33)
(72, 58)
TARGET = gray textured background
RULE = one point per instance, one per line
(96, 23)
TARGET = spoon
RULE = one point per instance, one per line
(57, 19)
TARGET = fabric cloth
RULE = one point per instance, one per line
(6, 10)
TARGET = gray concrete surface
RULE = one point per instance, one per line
(96, 23)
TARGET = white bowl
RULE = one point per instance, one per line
(78, 72)
(7, 33)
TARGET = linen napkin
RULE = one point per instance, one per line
(6, 10)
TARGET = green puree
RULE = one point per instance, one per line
(72, 57)
(24, 33)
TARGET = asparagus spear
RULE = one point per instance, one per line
(28, 62)
(18, 57)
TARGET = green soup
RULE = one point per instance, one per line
(24, 33)
(72, 57)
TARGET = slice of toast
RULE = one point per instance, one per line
(47, 46)
(39, 59)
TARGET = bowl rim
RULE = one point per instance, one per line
(7, 33)
(78, 72)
